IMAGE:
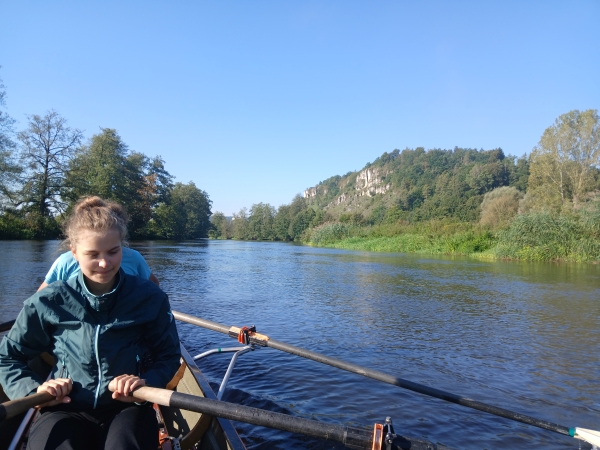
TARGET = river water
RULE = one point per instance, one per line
(521, 336)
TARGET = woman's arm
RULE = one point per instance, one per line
(26, 340)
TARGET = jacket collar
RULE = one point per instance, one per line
(102, 302)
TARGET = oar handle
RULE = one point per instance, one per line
(13, 408)
(147, 394)
(354, 437)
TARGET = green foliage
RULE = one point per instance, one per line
(281, 223)
(16, 224)
(261, 221)
(300, 223)
(9, 167)
(434, 237)
(47, 145)
(543, 236)
(565, 164)
(220, 227)
(107, 168)
(58, 173)
(423, 185)
(330, 233)
(500, 206)
(239, 225)
(185, 216)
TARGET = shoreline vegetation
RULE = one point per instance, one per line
(539, 237)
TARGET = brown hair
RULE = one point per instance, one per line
(95, 214)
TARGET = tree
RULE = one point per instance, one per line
(185, 216)
(107, 168)
(220, 226)
(567, 158)
(301, 222)
(9, 167)
(239, 224)
(281, 223)
(260, 221)
(102, 168)
(47, 145)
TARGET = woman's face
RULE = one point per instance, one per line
(99, 256)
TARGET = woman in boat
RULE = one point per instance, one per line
(98, 326)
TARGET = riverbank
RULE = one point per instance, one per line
(530, 237)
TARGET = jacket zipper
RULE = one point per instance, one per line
(139, 365)
(99, 368)
(64, 373)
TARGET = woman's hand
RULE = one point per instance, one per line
(124, 385)
(59, 388)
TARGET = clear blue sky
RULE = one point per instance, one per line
(256, 101)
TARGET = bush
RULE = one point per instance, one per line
(329, 233)
(500, 206)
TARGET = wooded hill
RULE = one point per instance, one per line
(416, 185)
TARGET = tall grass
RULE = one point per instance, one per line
(434, 237)
(529, 237)
(541, 236)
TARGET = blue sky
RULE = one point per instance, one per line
(255, 101)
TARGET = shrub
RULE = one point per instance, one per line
(500, 206)
(329, 233)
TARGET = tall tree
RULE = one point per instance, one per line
(567, 158)
(260, 221)
(185, 216)
(281, 223)
(9, 167)
(239, 225)
(220, 226)
(102, 168)
(47, 145)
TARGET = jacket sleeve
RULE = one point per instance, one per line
(27, 339)
(162, 338)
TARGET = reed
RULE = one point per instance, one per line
(535, 236)
(541, 236)
(434, 237)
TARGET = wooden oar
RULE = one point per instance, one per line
(13, 408)
(591, 436)
(355, 437)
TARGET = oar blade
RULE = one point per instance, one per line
(590, 436)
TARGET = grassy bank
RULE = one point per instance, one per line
(435, 237)
(530, 237)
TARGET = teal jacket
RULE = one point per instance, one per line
(93, 339)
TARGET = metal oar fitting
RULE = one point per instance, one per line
(248, 336)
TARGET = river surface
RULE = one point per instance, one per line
(521, 336)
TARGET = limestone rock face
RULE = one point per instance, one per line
(310, 192)
(369, 182)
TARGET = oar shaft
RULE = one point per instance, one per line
(355, 437)
(6, 325)
(15, 407)
(384, 377)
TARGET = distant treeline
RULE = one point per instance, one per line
(46, 167)
(544, 206)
